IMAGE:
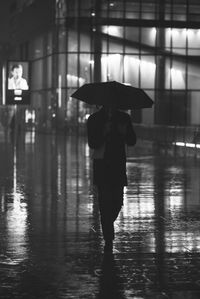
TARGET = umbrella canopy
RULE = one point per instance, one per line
(113, 93)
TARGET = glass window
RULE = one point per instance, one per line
(47, 65)
(131, 70)
(148, 114)
(148, 10)
(147, 71)
(148, 36)
(49, 43)
(85, 72)
(132, 10)
(85, 44)
(175, 40)
(37, 48)
(193, 38)
(175, 75)
(37, 74)
(193, 76)
(62, 69)
(111, 67)
(62, 39)
(86, 7)
(194, 103)
(72, 40)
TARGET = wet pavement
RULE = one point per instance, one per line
(51, 245)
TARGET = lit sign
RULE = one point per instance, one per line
(17, 83)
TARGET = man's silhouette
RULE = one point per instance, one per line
(109, 131)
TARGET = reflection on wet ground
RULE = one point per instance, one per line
(50, 240)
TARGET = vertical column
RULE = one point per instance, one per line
(97, 41)
(54, 99)
(160, 63)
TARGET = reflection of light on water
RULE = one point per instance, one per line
(17, 220)
(174, 202)
(59, 175)
(180, 241)
(140, 206)
(30, 137)
(141, 209)
(3, 201)
(137, 217)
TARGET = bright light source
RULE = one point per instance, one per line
(153, 32)
(187, 144)
(17, 92)
(112, 30)
(29, 116)
(74, 79)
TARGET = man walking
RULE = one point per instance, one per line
(109, 131)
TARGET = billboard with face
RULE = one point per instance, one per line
(17, 83)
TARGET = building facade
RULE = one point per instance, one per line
(154, 45)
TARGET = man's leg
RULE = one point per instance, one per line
(106, 211)
(110, 203)
(117, 201)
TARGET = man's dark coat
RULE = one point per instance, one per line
(111, 168)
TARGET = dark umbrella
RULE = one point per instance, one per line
(113, 93)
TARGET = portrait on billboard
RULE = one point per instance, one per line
(16, 80)
(17, 83)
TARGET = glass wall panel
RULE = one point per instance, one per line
(72, 40)
(72, 108)
(37, 74)
(86, 7)
(132, 11)
(85, 64)
(36, 48)
(148, 114)
(62, 39)
(194, 104)
(148, 36)
(193, 11)
(147, 71)
(113, 9)
(49, 43)
(120, 46)
(131, 70)
(176, 10)
(112, 67)
(62, 67)
(72, 70)
(113, 30)
(147, 10)
(110, 46)
(49, 72)
(175, 40)
(85, 41)
(177, 75)
(193, 36)
(132, 34)
(193, 76)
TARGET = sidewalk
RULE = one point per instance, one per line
(51, 245)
